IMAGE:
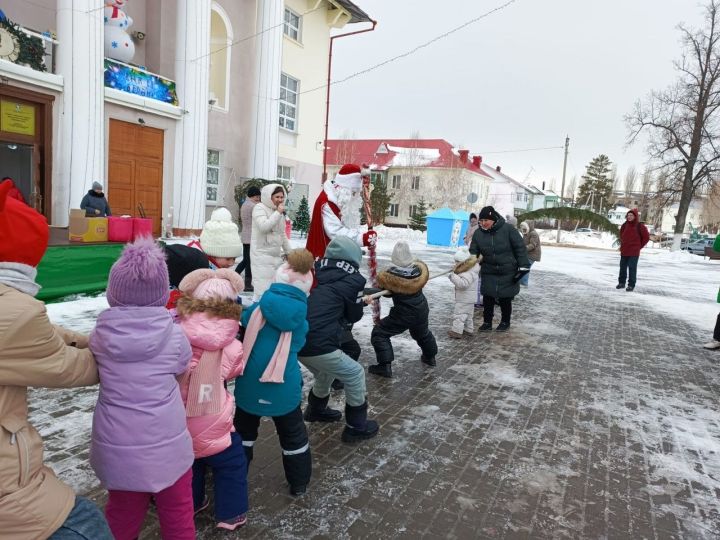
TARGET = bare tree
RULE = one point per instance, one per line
(681, 121)
(629, 184)
(570, 189)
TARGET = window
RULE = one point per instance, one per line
(396, 181)
(291, 28)
(375, 178)
(394, 210)
(412, 210)
(213, 175)
(288, 102)
(415, 182)
(285, 172)
(221, 37)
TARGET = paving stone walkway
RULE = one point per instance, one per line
(589, 419)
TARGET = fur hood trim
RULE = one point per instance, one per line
(467, 265)
(214, 307)
(400, 285)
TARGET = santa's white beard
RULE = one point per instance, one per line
(349, 207)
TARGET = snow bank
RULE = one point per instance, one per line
(604, 240)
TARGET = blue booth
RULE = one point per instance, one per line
(442, 223)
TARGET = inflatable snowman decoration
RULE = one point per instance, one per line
(118, 43)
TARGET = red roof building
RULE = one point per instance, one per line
(429, 169)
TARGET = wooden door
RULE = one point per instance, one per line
(135, 171)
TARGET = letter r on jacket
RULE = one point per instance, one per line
(205, 392)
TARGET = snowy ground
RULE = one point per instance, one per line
(595, 417)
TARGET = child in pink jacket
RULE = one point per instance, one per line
(209, 315)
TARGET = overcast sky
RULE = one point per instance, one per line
(521, 78)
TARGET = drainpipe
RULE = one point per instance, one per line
(327, 97)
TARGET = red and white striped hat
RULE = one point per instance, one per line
(350, 176)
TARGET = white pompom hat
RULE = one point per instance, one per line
(220, 237)
(462, 254)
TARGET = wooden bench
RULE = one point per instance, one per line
(710, 253)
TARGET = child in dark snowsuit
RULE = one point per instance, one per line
(410, 310)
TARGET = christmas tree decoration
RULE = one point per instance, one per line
(302, 217)
(18, 47)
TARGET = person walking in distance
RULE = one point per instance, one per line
(246, 210)
(533, 246)
(633, 237)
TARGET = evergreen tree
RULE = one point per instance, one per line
(417, 220)
(380, 199)
(596, 189)
(302, 217)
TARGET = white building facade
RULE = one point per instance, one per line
(171, 130)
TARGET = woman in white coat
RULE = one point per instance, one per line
(268, 242)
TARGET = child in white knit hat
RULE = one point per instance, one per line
(410, 311)
(220, 239)
(465, 278)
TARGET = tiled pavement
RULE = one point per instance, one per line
(587, 420)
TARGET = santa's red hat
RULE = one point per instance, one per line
(350, 176)
(23, 230)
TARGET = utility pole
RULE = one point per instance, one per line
(562, 189)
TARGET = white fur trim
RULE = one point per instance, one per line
(351, 181)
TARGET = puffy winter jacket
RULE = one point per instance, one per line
(532, 242)
(140, 440)
(211, 433)
(465, 278)
(406, 284)
(268, 240)
(33, 352)
(93, 201)
(503, 251)
(633, 237)
(332, 305)
(284, 308)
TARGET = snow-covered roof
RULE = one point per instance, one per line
(383, 154)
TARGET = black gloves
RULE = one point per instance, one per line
(519, 274)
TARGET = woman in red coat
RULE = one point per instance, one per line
(633, 237)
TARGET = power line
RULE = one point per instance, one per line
(413, 50)
(251, 36)
(524, 150)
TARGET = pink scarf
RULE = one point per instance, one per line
(206, 391)
(276, 368)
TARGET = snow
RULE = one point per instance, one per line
(679, 285)
(413, 157)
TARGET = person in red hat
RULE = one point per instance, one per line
(14, 192)
(337, 212)
(34, 503)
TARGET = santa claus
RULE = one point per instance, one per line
(337, 212)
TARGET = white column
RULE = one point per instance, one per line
(80, 136)
(192, 75)
(266, 81)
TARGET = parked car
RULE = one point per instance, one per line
(587, 231)
(698, 247)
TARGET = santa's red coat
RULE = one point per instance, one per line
(317, 240)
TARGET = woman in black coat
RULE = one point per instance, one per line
(94, 202)
(504, 262)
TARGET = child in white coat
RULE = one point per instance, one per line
(465, 278)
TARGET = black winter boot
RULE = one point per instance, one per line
(384, 370)
(428, 360)
(358, 427)
(318, 411)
